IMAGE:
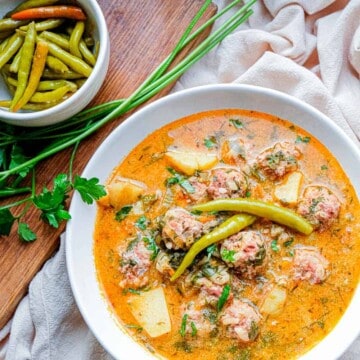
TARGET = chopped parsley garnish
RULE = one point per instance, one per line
(210, 142)
(131, 291)
(152, 246)
(182, 330)
(193, 329)
(324, 167)
(274, 246)
(288, 242)
(210, 315)
(228, 255)
(180, 180)
(135, 327)
(223, 297)
(184, 346)
(236, 123)
(305, 139)
(210, 250)
(142, 222)
(254, 330)
(123, 213)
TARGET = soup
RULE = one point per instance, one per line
(191, 275)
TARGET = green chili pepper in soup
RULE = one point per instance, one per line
(241, 239)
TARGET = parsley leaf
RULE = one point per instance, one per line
(17, 158)
(152, 246)
(89, 189)
(123, 213)
(210, 142)
(142, 222)
(193, 329)
(179, 179)
(305, 139)
(274, 246)
(182, 330)
(223, 297)
(52, 203)
(6, 221)
(228, 255)
(236, 123)
(25, 233)
(210, 250)
(288, 242)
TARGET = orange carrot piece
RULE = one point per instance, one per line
(45, 12)
(37, 69)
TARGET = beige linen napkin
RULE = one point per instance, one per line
(309, 49)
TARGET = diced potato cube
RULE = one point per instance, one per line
(122, 192)
(189, 162)
(288, 192)
(274, 301)
(151, 312)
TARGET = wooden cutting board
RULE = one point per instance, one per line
(142, 34)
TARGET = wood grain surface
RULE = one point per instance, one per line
(142, 34)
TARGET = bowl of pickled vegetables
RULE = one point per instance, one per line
(54, 56)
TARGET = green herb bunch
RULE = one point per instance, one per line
(18, 163)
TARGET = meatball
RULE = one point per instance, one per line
(227, 183)
(198, 320)
(310, 265)
(210, 279)
(245, 251)
(135, 262)
(180, 229)
(200, 189)
(319, 206)
(209, 292)
(242, 320)
(277, 161)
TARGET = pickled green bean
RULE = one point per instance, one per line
(14, 66)
(69, 75)
(88, 56)
(56, 64)
(31, 4)
(260, 208)
(73, 62)
(12, 46)
(55, 38)
(45, 25)
(229, 227)
(27, 53)
(38, 66)
(10, 24)
(45, 85)
(54, 95)
(75, 38)
(4, 44)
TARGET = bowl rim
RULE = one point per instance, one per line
(36, 118)
(338, 340)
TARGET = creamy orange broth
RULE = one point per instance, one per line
(311, 310)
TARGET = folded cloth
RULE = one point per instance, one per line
(309, 49)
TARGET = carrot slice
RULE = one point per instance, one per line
(45, 12)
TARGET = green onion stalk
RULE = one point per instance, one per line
(58, 137)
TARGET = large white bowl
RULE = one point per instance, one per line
(79, 237)
(80, 98)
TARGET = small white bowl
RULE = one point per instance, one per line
(81, 97)
(79, 233)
